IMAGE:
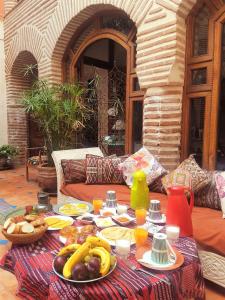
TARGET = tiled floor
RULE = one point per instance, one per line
(15, 190)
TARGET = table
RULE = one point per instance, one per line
(32, 266)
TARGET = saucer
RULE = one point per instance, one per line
(159, 221)
(143, 256)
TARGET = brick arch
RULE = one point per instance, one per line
(145, 14)
(27, 38)
(17, 83)
(70, 15)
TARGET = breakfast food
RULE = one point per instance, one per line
(90, 260)
(71, 209)
(122, 219)
(57, 222)
(68, 231)
(118, 233)
(23, 224)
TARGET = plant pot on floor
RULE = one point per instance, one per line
(5, 163)
(47, 179)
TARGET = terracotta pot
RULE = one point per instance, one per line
(5, 163)
(47, 178)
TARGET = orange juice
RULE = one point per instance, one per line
(140, 214)
(97, 205)
(141, 236)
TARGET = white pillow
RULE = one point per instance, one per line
(220, 185)
(141, 160)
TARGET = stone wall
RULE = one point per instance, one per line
(50, 25)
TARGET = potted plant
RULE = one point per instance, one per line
(7, 153)
(60, 112)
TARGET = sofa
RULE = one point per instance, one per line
(208, 225)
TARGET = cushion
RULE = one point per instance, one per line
(157, 186)
(74, 170)
(103, 170)
(199, 178)
(141, 160)
(177, 178)
(208, 196)
(220, 185)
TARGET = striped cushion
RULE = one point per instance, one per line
(103, 170)
(74, 170)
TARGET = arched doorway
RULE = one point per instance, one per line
(102, 57)
(23, 130)
(204, 93)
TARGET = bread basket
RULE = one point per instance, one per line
(26, 238)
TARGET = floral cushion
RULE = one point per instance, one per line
(141, 160)
(74, 170)
(198, 178)
(103, 170)
(220, 185)
(208, 196)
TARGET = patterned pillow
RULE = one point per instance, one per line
(157, 186)
(220, 185)
(103, 170)
(177, 177)
(199, 177)
(141, 160)
(208, 196)
(74, 170)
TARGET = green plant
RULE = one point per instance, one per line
(60, 112)
(8, 151)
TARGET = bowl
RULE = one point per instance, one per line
(25, 238)
(86, 219)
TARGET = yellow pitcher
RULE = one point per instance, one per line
(139, 191)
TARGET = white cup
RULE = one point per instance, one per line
(172, 233)
(123, 248)
(121, 209)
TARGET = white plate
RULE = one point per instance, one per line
(83, 281)
(104, 222)
(161, 221)
(123, 223)
(60, 218)
(111, 242)
(153, 228)
(89, 208)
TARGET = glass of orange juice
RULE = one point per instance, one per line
(141, 236)
(97, 205)
(140, 214)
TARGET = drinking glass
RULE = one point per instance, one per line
(172, 233)
(140, 214)
(141, 236)
(121, 209)
(97, 205)
(123, 248)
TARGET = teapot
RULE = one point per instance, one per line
(179, 210)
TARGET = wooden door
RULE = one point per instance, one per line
(202, 82)
(107, 28)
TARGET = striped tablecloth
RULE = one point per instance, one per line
(32, 266)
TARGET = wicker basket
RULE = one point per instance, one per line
(25, 238)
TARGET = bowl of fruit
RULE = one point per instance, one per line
(87, 262)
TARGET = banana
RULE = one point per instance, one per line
(98, 242)
(105, 259)
(77, 257)
(68, 249)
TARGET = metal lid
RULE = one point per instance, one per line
(111, 195)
